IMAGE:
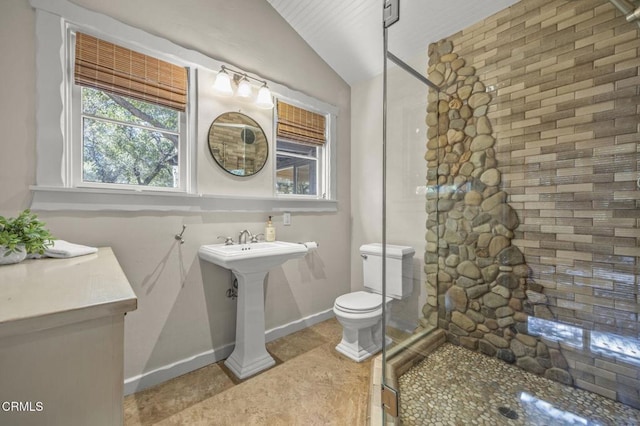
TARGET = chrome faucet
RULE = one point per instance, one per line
(242, 238)
(255, 238)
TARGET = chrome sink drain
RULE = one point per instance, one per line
(508, 413)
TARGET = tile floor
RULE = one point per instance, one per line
(311, 384)
(455, 386)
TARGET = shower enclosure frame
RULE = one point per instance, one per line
(593, 333)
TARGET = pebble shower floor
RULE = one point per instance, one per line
(455, 386)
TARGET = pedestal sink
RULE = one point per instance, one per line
(250, 264)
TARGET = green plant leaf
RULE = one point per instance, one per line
(25, 230)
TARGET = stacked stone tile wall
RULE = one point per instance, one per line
(533, 209)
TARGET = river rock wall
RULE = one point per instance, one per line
(484, 297)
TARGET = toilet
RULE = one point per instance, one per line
(360, 312)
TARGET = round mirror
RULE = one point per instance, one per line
(238, 144)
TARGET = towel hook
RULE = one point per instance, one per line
(179, 236)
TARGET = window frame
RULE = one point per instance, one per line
(77, 149)
(324, 178)
(74, 118)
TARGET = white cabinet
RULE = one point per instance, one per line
(61, 340)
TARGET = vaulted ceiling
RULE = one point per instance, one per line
(348, 34)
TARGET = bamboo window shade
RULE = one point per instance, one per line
(298, 124)
(106, 66)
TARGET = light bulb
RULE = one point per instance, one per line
(264, 98)
(244, 88)
(222, 85)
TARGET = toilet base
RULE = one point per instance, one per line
(358, 354)
(361, 337)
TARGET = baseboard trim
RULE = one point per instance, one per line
(170, 371)
(184, 366)
(301, 324)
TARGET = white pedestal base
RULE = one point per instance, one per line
(245, 370)
(250, 355)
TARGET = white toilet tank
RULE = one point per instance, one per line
(399, 269)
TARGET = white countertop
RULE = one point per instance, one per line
(38, 294)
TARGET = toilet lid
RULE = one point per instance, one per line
(359, 301)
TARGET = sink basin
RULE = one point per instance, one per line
(252, 257)
(250, 264)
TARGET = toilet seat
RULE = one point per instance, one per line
(359, 302)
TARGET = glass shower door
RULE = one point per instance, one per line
(408, 319)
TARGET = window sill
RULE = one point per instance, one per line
(47, 198)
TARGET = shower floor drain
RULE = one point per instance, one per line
(508, 413)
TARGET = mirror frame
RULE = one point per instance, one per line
(254, 123)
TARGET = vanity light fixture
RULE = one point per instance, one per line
(264, 99)
(223, 87)
(244, 88)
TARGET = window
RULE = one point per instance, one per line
(300, 151)
(297, 168)
(130, 142)
(131, 117)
